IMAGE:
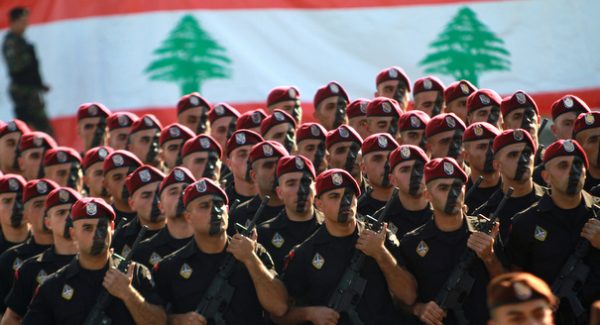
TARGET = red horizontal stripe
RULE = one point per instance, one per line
(45, 11)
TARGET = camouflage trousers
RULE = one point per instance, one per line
(29, 107)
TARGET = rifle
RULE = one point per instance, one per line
(538, 153)
(73, 175)
(217, 297)
(351, 157)
(153, 150)
(473, 188)
(351, 287)
(459, 284)
(340, 112)
(97, 315)
(364, 196)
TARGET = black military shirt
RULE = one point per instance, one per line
(401, 220)
(125, 236)
(369, 205)
(121, 215)
(68, 295)
(313, 270)
(183, 277)
(31, 274)
(280, 234)
(233, 195)
(6, 244)
(246, 211)
(11, 260)
(480, 195)
(537, 175)
(23, 66)
(590, 182)
(431, 255)
(155, 248)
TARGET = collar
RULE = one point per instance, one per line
(322, 236)
(282, 221)
(546, 204)
(430, 230)
(191, 248)
(132, 228)
(73, 268)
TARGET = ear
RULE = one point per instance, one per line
(160, 206)
(188, 217)
(278, 192)
(253, 175)
(130, 202)
(47, 220)
(318, 204)
(72, 233)
(426, 194)
(553, 129)
(546, 177)
(316, 114)
(496, 164)
(21, 162)
(362, 166)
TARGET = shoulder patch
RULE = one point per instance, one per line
(318, 261)
(540, 233)
(422, 248)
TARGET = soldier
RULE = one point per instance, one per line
(564, 113)
(544, 236)
(143, 139)
(183, 278)
(330, 105)
(91, 124)
(34, 271)
(280, 127)
(310, 140)
(242, 186)
(287, 99)
(93, 174)
(343, 151)
(32, 148)
(262, 161)
(116, 166)
(382, 116)
(142, 186)
(428, 95)
(376, 167)
(34, 196)
(67, 296)
(63, 165)
(455, 97)
(298, 220)
(13, 229)
(10, 136)
(26, 86)
(119, 126)
(411, 128)
(251, 120)
(223, 119)
(587, 133)
(356, 112)
(436, 248)
(393, 83)
(172, 138)
(520, 298)
(444, 134)
(484, 106)
(520, 111)
(202, 156)
(478, 141)
(315, 267)
(177, 231)
(192, 112)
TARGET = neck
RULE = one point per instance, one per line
(295, 216)
(412, 203)
(152, 225)
(211, 244)
(122, 206)
(179, 229)
(489, 180)
(41, 237)
(381, 193)
(519, 188)
(446, 222)
(105, 198)
(275, 201)
(63, 246)
(337, 229)
(15, 235)
(242, 187)
(594, 171)
(93, 263)
(565, 201)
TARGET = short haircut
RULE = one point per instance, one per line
(16, 13)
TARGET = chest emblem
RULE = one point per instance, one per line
(392, 228)
(17, 263)
(540, 233)
(277, 240)
(422, 248)
(67, 292)
(154, 258)
(185, 271)
(41, 277)
(318, 261)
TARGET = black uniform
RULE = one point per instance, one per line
(480, 195)
(5, 244)
(11, 260)
(67, 296)
(537, 175)
(369, 205)
(314, 269)
(543, 238)
(280, 234)
(32, 273)
(183, 277)
(120, 215)
(232, 195)
(246, 211)
(125, 236)
(401, 220)
(590, 182)
(155, 248)
(431, 255)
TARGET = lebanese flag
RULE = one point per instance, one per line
(142, 56)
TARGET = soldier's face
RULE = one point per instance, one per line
(437, 193)
(373, 166)
(439, 144)
(20, 25)
(400, 177)
(30, 162)
(169, 152)
(412, 137)
(7, 201)
(458, 107)
(388, 89)
(287, 191)
(56, 218)
(308, 148)
(278, 132)
(115, 181)
(34, 212)
(563, 125)
(361, 125)
(219, 129)
(534, 312)
(475, 153)
(8, 148)
(94, 179)
(196, 162)
(83, 232)
(169, 199)
(58, 173)
(191, 118)
(507, 159)
(140, 143)
(556, 175)
(117, 139)
(482, 115)
(325, 112)
(379, 124)
(263, 174)
(337, 157)
(286, 106)
(141, 200)
(588, 139)
(514, 120)
(238, 162)
(86, 128)
(329, 204)
(197, 214)
(425, 101)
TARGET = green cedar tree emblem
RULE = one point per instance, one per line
(466, 49)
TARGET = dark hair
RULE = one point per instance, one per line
(16, 13)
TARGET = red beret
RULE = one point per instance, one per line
(177, 175)
(569, 103)
(120, 158)
(142, 176)
(120, 120)
(278, 117)
(222, 110)
(480, 131)
(36, 139)
(335, 178)
(482, 98)
(175, 131)
(563, 147)
(512, 136)
(392, 73)
(443, 122)
(383, 106)
(14, 126)
(443, 168)
(407, 152)
(413, 120)
(94, 155)
(92, 110)
(343, 133)
(333, 88)
(428, 83)
(242, 138)
(299, 163)
(61, 155)
(267, 149)
(519, 99)
(201, 143)
(586, 121)
(378, 142)
(282, 94)
(91, 208)
(12, 183)
(310, 131)
(250, 119)
(190, 101)
(357, 107)
(146, 122)
(38, 187)
(61, 195)
(517, 287)
(458, 89)
(202, 187)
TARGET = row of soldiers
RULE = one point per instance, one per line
(384, 211)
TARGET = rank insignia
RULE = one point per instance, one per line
(41, 277)
(422, 248)
(67, 292)
(154, 258)
(126, 250)
(17, 263)
(540, 233)
(277, 240)
(318, 261)
(185, 271)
